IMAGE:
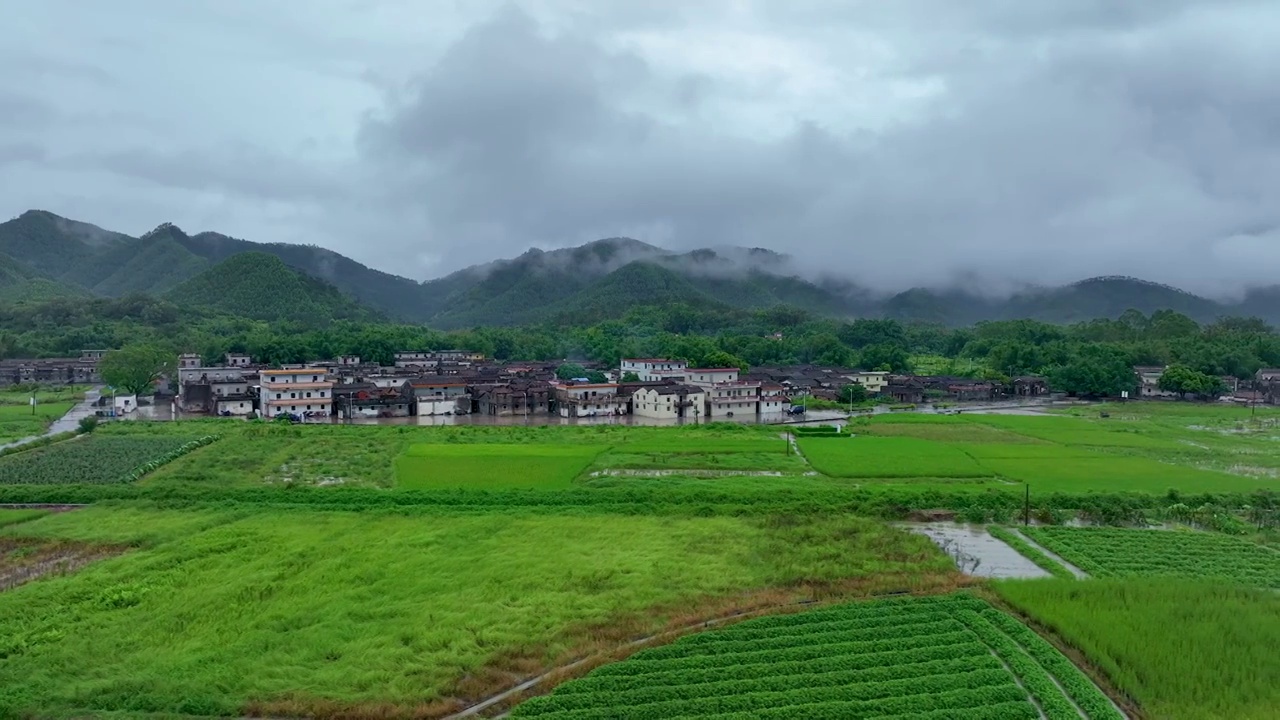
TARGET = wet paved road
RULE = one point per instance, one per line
(67, 422)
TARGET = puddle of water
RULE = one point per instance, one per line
(977, 553)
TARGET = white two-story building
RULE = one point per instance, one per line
(653, 369)
(669, 402)
(873, 380)
(305, 391)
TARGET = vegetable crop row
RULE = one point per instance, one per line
(1012, 710)
(632, 674)
(1081, 689)
(1034, 678)
(939, 705)
(870, 682)
(807, 652)
(789, 637)
(85, 465)
(872, 614)
(168, 457)
(919, 692)
(884, 638)
(868, 628)
(1120, 553)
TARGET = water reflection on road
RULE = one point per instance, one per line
(975, 552)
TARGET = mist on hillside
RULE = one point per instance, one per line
(887, 145)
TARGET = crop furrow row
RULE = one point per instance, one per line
(912, 694)
(818, 649)
(633, 674)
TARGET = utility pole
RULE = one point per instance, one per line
(1026, 508)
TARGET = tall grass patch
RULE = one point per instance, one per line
(20, 515)
(889, 457)
(1183, 649)
(545, 467)
(377, 614)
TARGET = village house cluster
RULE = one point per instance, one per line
(53, 371)
(1264, 389)
(455, 382)
(458, 382)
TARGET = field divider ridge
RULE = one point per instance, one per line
(1079, 573)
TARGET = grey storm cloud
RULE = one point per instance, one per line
(918, 142)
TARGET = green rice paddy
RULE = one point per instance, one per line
(492, 466)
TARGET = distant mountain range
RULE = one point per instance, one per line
(43, 256)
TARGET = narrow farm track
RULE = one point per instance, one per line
(795, 447)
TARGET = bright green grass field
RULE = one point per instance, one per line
(492, 466)
(45, 394)
(1185, 650)
(17, 422)
(1025, 451)
(218, 608)
(684, 444)
(752, 454)
(889, 457)
(958, 432)
(15, 516)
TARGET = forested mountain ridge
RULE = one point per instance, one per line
(1101, 297)
(261, 286)
(62, 257)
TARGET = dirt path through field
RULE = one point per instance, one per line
(22, 561)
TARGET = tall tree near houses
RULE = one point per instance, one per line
(136, 368)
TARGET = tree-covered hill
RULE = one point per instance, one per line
(64, 257)
(1102, 297)
(261, 286)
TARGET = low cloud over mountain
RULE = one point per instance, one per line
(921, 142)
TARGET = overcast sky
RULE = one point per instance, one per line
(899, 142)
